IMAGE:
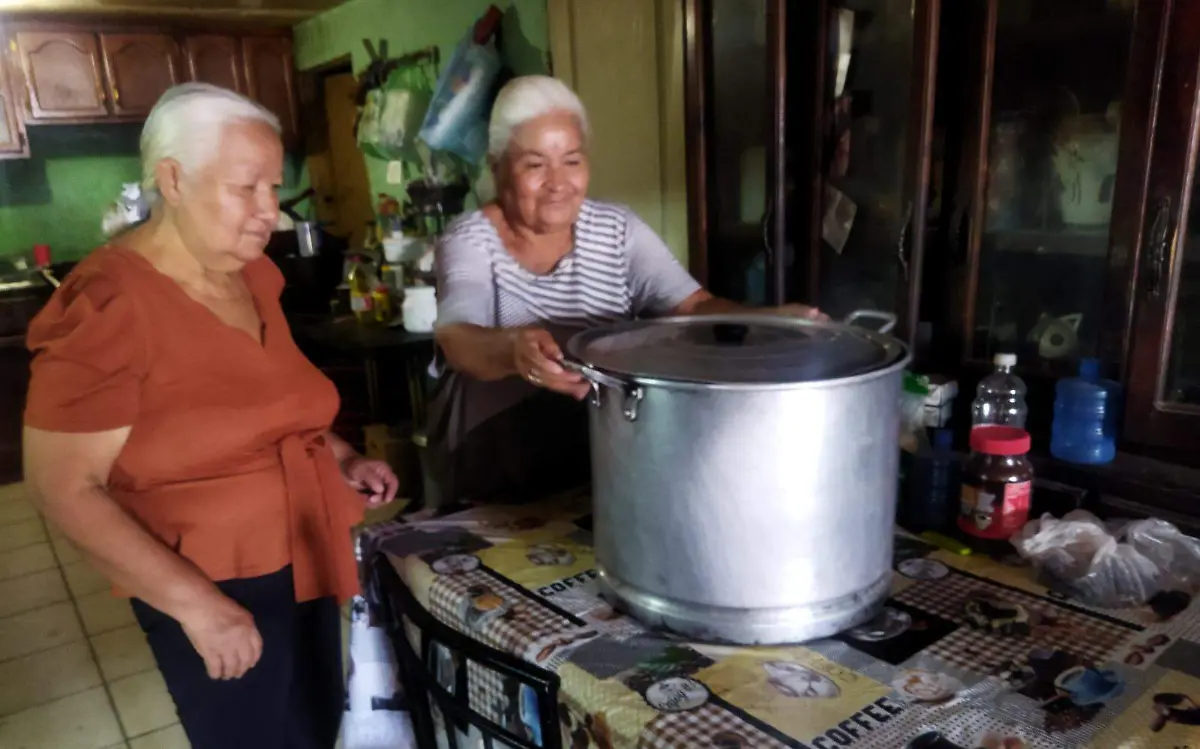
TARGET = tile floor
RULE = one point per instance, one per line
(75, 670)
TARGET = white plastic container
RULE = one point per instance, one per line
(401, 249)
(419, 309)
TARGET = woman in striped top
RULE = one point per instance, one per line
(520, 276)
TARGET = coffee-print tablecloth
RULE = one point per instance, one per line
(967, 646)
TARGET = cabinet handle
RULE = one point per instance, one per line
(765, 225)
(1156, 250)
(901, 255)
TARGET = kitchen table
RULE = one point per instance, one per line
(969, 651)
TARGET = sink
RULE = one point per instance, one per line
(15, 275)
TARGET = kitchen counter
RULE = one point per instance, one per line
(1027, 665)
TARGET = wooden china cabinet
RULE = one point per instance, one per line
(1004, 175)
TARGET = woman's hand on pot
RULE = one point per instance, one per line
(223, 634)
(374, 478)
(536, 357)
(803, 311)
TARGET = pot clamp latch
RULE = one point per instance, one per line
(598, 380)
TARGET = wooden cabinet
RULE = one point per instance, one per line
(12, 125)
(215, 59)
(63, 74)
(1163, 373)
(270, 79)
(139, 68)
(76, 73)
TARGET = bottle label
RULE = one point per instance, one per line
(994, 509)
(360, 303)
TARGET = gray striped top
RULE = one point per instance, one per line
(618, 269)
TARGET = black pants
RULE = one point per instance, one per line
(292, 699)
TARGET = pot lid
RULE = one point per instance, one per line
(735, 349)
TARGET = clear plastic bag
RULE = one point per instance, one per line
(1116, 565)
(457, 118)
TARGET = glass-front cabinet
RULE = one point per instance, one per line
(1053, 102)
(1007, 176)
(1069, 230)
(877, 110)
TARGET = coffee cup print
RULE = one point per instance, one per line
(923, 569)
(919, 685)
(676, 695)
(482, 605)
(455, 564)
(1089, 686)
(549, 555)
(887, 624)
(730, 740)
(800, 682)
(1174, 707)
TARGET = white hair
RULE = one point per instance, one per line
(185, 125)
(526, 98)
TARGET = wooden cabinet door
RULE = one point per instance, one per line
(12, 135)
(270, 78)
(215, 59)
(1163, 375)
(139, 68)
(63, 74)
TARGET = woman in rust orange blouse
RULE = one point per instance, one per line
(178, 436)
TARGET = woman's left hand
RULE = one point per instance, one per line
(803, 311)
(374, 478)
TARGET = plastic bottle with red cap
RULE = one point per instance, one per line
(997, 483)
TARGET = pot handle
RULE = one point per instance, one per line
(889, 320)
(633, 393)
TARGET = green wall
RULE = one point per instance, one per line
(409, 25)
(58, 195)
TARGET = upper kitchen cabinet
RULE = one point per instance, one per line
(270, 79)
(116, 71)
(12, 128)
(138, 69)
(215, 59)
(63, 73)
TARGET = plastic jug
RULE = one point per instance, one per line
(930, 500)
(1086, 410)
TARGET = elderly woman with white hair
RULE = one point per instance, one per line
(178, 437)
(518, 277)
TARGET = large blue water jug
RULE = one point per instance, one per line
(1086, 412)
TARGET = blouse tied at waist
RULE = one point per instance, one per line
(322, 510)
(232, 526)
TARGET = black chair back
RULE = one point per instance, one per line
(421, 666)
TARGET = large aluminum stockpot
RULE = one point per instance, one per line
(744, 471)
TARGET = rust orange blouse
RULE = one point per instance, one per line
(226, 462)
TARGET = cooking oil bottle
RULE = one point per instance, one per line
(362, 282)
